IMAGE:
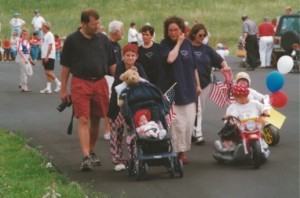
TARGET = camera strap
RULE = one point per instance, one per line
(70, 127)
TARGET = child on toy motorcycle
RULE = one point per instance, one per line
(242, 78)
(243, 108)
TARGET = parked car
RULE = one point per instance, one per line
(287, 33)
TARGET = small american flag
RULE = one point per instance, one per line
(170, 96)
(219, 93)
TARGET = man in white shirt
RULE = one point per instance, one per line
(48, 58)
(16, 24)
(37, 22)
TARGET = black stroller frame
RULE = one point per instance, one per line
(148, 151)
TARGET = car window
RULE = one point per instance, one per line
(290, 24)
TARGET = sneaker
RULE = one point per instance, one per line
(46, 91)
(26, 90)
(120, 167)
(106, 136)
(86, 164)
(183, 158)
(200, 140)
(94, 159)
(58, 88)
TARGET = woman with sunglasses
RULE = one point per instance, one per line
(180, 65)
(205, 57)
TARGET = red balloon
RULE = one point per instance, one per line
(278, 99)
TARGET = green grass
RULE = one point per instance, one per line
(222, 17)
(23, 172)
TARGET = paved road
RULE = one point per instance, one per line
(35, 115)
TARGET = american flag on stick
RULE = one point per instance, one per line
(220, 91)
(170, 96)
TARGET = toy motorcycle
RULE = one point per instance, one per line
(242, 141)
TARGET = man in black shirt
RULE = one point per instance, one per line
(88, 56)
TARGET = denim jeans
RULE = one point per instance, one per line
(35, 50)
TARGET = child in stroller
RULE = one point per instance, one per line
(147, 128)
(145, 98)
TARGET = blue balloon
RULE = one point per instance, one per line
(275, 81)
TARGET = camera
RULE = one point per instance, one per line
(62, 106)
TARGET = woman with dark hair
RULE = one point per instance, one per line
(180, 66)
(206, 58)
(149, 55)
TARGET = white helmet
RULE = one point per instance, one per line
(243, 75)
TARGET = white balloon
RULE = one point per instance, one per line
(285, 64)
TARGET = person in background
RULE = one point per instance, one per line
(116, 32)
(24, 60)
(149, 56)
(14, 39)
(132, 34)
(274, 24)
(206, 58)
(16, 24)
(88, 56)
(288, 10)
(57, 47)
(249, 40)
(35, 43)
(6, 47)
(48, 59)
(266, 33)
(180, 66)
(37, 22)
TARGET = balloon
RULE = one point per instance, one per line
(285, 64)
(278, 99)
(274, 81)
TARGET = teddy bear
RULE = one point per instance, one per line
(129, 77)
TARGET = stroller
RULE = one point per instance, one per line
(146, 151)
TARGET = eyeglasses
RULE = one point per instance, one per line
(201, 35)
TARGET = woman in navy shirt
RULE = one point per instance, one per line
(180, 67)
(206, 58)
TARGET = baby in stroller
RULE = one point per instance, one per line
(150, 143)
(147, 128)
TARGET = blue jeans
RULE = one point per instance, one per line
(35, 50)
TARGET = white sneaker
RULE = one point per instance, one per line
(106, 136)
(46, 91)
(120, 167)
(58, 87)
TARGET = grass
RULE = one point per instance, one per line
(222, 18)
(25, 172)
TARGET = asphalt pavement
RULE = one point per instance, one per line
(35, 115)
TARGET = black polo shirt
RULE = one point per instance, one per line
(87, 57)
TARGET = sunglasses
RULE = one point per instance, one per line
(201, 35)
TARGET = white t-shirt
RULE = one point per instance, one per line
(47, 40)
(16, 22)
(252, 109)
(37, 22)
(132, 35)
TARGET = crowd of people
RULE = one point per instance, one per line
(258, 40)
(89, 56)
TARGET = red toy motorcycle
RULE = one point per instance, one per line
(247, 142)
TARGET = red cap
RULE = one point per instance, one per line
(139, 113)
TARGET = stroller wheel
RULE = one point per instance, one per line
(171, 168)
(178, 165)
(141, 170)
(130, 168)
